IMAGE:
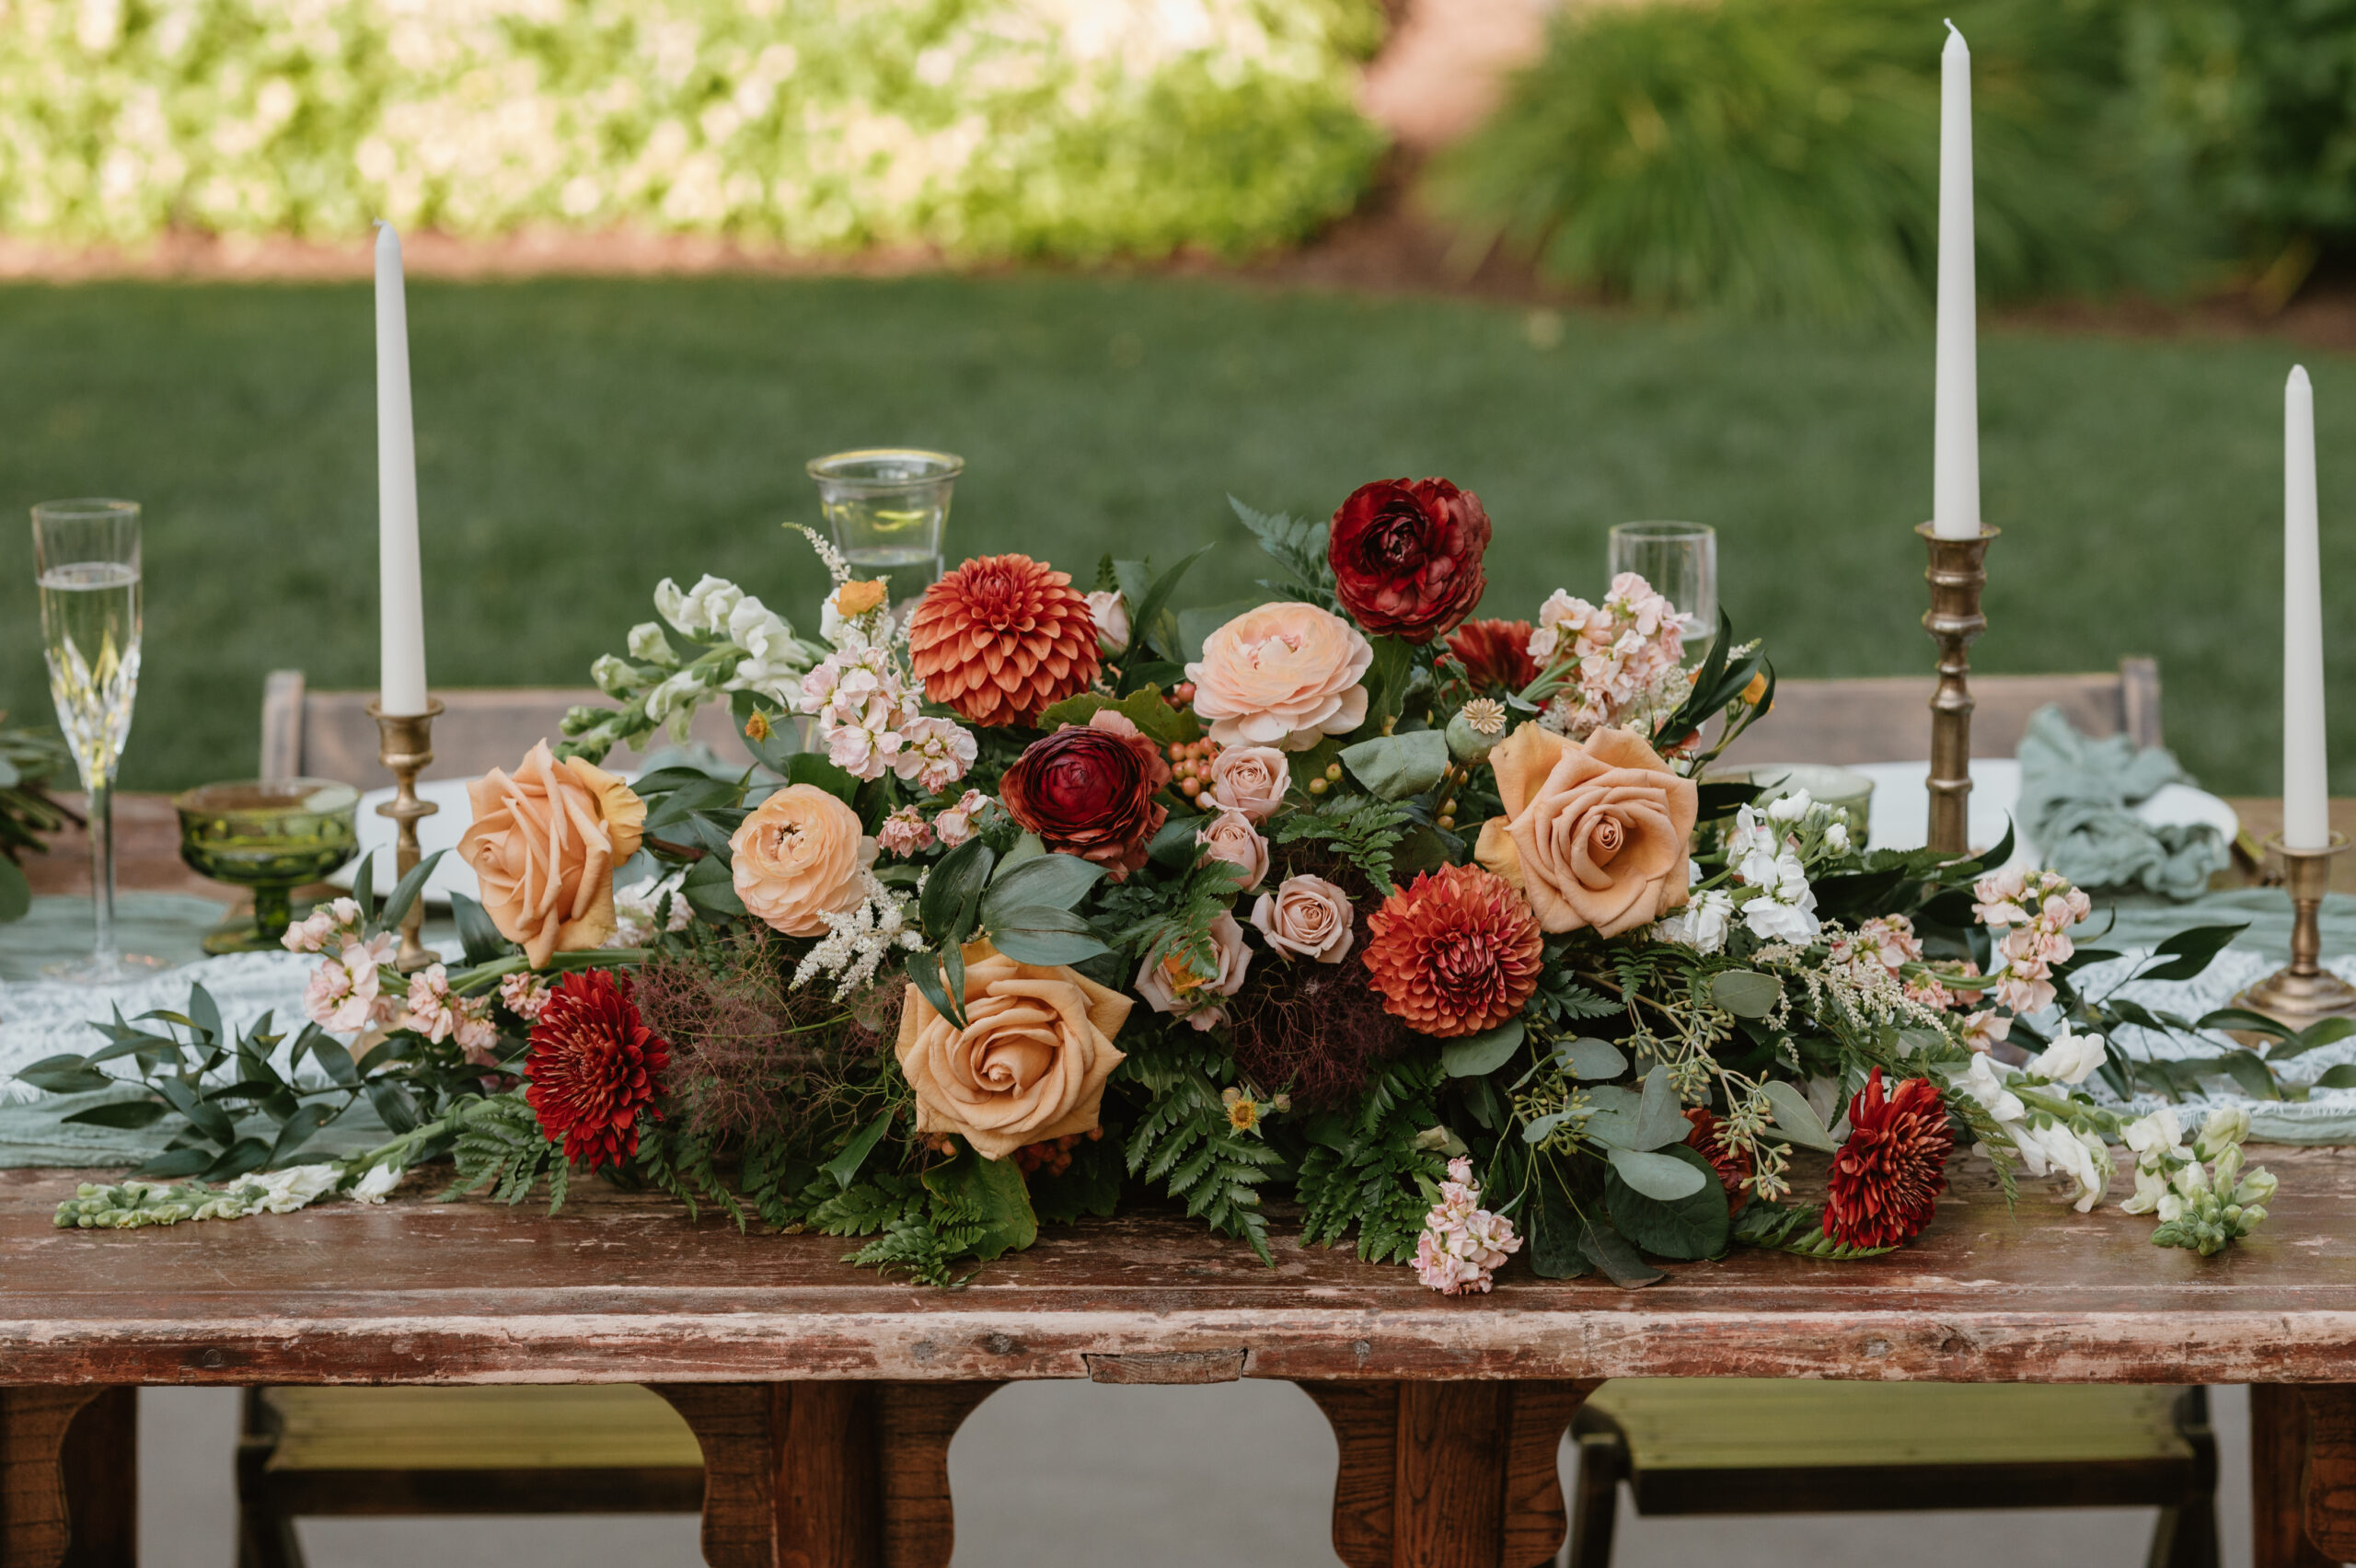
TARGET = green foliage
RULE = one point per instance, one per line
(1361, 829)
(500, 1148)
(2253, 102)
(1185, 1142)
(1299, 549)
(1780, 157)
(1365, 1171)
(1156, 913)
(979, 127)
(28, 760)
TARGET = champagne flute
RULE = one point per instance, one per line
(85, 554)
(1680, 561)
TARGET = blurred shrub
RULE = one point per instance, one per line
(986, 127)
(1780, 157)
(2253, 102)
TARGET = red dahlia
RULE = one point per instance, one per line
(1406, 556)
(1884, 1177)
(1001, 639)
(592, 1068)
(1454, 953)
(1494, 653)
(1088, 790)
(1733, 1165)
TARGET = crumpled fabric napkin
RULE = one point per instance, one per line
(2075, 805)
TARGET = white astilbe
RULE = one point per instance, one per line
(860, 938)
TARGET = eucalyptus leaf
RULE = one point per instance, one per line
(1476, 1055)
(1659, 1118)
(1610, 1253)
(1660, 1176)
(1795, 1117)
(1588, 1057)
(1745, 993)
(1696, 1226)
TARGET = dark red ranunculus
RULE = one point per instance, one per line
(1088, 790)
(1494, 653)
(593, 1066)
(1894, 1164)
(1406, 556)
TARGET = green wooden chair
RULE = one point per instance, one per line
(562, 1448)
(1741, 1445)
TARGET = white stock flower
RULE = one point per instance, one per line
(2156, 1134)
(1702, 924)
(2151, 1187)
(1789, 808)
(1836, 839)
(2070, 1059)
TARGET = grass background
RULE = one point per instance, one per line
(579, 439)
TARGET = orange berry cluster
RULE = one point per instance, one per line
(1054, 1157)
(1182, 695)
(1190, 763)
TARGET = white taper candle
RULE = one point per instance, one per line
(2306, 807)
(1955, 444)
(401, 598)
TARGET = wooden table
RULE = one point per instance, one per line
(826, 1398)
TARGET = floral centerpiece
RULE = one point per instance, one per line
(1031, 905)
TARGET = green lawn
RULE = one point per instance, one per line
(578, 440)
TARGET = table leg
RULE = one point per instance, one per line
(826, 1474)
(68, 1487)
(2302, 1475)
(1447, 1475)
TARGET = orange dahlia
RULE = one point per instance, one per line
(1001, 639)
(1454, 953)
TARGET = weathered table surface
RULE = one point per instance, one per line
(826, 1397)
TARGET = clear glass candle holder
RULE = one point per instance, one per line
(1680, 561)
(887, 508)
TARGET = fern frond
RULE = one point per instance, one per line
(1359, 828)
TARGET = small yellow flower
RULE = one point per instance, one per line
(1755, 689)
(757, 728)
(855, 599)
(1243, 1111)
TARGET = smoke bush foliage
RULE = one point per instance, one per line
(984, 127)
(1780, 157)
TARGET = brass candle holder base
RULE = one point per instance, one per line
(405, 745)
(1957, 572)
(2306, 993)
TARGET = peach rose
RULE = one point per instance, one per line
(1029, 1065)
(1231, 837)
(1251, 779)
(1285, 675)
(1309, 916)
(1170, 985)
(544, 844)
(1593, 835)
(797, 860)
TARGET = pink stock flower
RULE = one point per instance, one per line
(1624, 656)
(955, 826)
(1463, 1244)
(343, 992)
(903, 831)
(524, 995)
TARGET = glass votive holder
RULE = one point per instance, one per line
(887, 508)
(1826, 785)
(271, 835)
(1680, 561)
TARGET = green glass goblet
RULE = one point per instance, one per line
(271, 835)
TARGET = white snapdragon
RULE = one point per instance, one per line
(2070, 1059)
(379, 1182)
(648, 645)
(703, 610)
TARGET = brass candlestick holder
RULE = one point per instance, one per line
(405, 745)
(2305, 992)
(1959, 571)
